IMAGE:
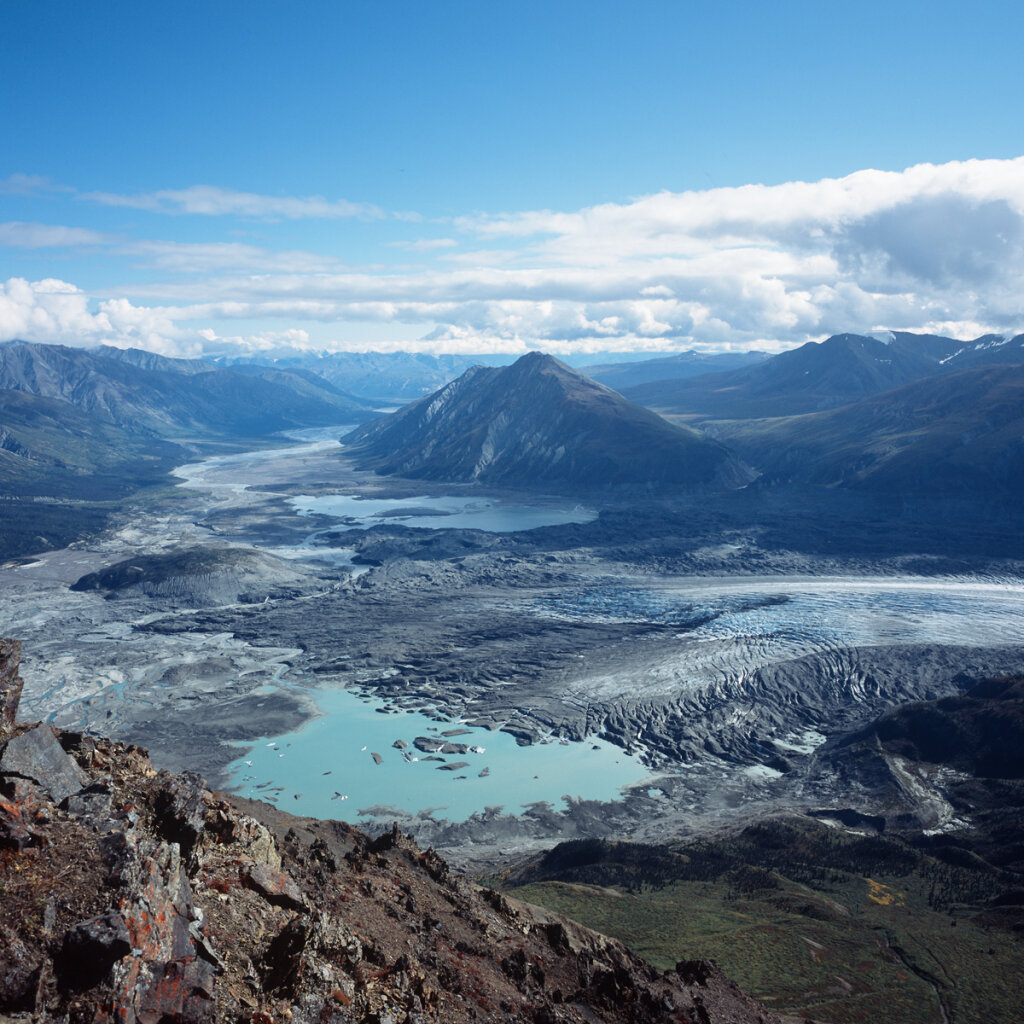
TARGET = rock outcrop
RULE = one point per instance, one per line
(11, 685)
(141, 896)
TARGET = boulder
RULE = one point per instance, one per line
(181, 809)
(21, 968)
(90, 950)
(276, 887)
(37, 755)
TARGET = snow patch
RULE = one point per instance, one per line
(885, 337)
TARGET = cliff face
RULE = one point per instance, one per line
(132, 895)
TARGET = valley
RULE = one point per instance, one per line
(710, 673)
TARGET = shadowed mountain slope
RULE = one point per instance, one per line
(539, 423)
(951, 435)
(980, 732)
(816, 376)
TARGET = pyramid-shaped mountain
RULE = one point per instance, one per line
(540, 424)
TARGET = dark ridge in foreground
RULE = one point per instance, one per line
(905, 903)
(540, 424)
(132, 895)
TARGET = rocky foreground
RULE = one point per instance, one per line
(135, 895)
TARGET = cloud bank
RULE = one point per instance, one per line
(55, 312)
(933, 247)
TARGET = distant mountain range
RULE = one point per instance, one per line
(148, 394)
(675, 367)
(540, 424)
(385, 377)
(405, 376)
(896, 413)
(822, 375)
(89, 428)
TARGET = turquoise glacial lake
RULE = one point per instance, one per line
(326, 768)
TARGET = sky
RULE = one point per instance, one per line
(256, 177)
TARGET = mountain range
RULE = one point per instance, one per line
(384, 377)
(674, 367)
(896, 413)
(396, 377)
(539, 423)
(956, 434)
(822, 375)
(79, 428)
(147, 394)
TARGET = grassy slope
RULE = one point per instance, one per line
(816, 922)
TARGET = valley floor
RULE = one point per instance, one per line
(719, 655)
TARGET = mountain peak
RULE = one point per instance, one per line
(538, 423)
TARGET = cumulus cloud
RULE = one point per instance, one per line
(211, 201)
(934, 247)
(55, 312)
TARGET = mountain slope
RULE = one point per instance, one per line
(822, 922)
(816, 376)
(138, 896)
(539, 423)
(80, 429)
(986, 351)
(957, 434)
(49, 447)
(149, 394)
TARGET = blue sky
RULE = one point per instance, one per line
(478, 177)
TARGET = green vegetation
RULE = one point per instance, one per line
(811, 920)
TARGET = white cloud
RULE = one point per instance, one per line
(935, 247)
(219, 257)
(796, 215)
(30, 185)
(211, 201)
(426, 244)
(264, 341)
(55, 312)
(22, 235)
